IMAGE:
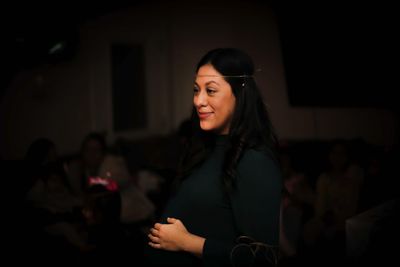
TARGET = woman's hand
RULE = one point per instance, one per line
(174, 236)
(169, 236)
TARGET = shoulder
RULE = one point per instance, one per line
(258, 158)
(259, 163)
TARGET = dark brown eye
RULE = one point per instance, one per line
(210, 91)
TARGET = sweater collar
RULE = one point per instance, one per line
(221, 140)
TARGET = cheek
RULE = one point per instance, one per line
(224, 114)
(229, 107)
(224, 103)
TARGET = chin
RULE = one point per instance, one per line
(206, 127)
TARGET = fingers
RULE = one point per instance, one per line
(154, 232)
(154, 245)
(171, 220)
(154, 236)
(154, 239)
(157, 226)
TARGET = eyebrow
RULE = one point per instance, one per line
(207, 83)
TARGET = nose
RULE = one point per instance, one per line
(200, 99)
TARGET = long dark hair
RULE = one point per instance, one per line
(250, 126)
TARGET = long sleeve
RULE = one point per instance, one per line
(255, 205)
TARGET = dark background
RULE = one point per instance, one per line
(339, 54)
(335, 54)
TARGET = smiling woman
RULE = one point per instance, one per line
(213, 100)
(229, 182)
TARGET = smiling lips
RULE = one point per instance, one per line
(204, 115)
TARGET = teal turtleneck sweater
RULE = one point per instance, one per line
(201, 203)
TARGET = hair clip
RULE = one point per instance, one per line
(108, 183)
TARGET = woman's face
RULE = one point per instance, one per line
(214, 100)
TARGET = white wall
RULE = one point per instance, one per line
(66, 101)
